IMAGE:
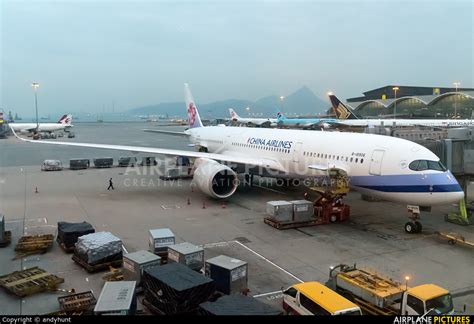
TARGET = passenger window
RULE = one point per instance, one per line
(416, 304)
(357, 160)
(351, 159)
(361, 160)
(291, 292)
(311, 306)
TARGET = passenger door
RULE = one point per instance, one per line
(376, 162)
(296, 152)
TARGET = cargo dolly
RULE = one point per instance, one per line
(30, 281)
(98, 267)
(152, 308)
(454, 238)
(77, 302)
(33, 244)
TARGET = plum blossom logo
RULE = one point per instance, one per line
(233, 114)
(191, 114)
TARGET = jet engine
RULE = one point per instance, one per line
(215, 179)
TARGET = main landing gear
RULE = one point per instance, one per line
(413, 226)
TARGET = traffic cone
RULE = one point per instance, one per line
(189, 202)
(203, 205)
(36, 190)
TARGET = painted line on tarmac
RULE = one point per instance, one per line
(272, 263)
(267, 294)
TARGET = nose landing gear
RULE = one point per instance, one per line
(413, 226)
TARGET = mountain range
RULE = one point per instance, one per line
(301, 102)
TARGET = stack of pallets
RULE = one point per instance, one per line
(33, 244)
(30, 281)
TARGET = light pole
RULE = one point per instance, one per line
(248, 110)
(395, 102)
(456, 84)
(35, 86)
(281, 103)
(407, 278)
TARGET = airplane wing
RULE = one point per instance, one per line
(265, 163)
(160, 131)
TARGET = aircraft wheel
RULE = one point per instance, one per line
(419, 227)
(410, 227)
(333, 218)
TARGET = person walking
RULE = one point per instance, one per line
(111, 185)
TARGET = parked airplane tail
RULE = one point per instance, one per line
(280, 116)
(233, 114)
(193, 114)
(340, 109)
(65, 119)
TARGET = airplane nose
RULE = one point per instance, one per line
(450, 197)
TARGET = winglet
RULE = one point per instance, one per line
(193, 114)
(340, 109)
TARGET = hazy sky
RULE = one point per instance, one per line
(87, 54)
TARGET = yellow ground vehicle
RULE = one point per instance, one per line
(314, 298)
(380, 295)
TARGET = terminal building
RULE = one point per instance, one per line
(415, 102)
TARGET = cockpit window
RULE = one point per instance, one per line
(422, 165)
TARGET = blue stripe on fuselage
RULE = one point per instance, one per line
(429, 182)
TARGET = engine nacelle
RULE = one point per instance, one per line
(215, 179)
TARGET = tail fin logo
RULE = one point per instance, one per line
(342, 111)
(233, 114)
(191, 114)
(65, 119)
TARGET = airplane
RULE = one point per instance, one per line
(386, 167)
(305, 123)
(63, 123)
(264, 122)
(347, 117)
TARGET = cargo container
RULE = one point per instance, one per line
(159, 241)
(302, 210)
(124, 161)
(51, 165)
(229, 274)
(77, 164)
(68, 233)
(188, 254)
(175, 289)
(149, 160)
(106, 162)
(117, 298)
(134, 264)
(280, 210)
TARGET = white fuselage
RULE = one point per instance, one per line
(42, 127)
(407, 122)
(255, 121)
(377, 165)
